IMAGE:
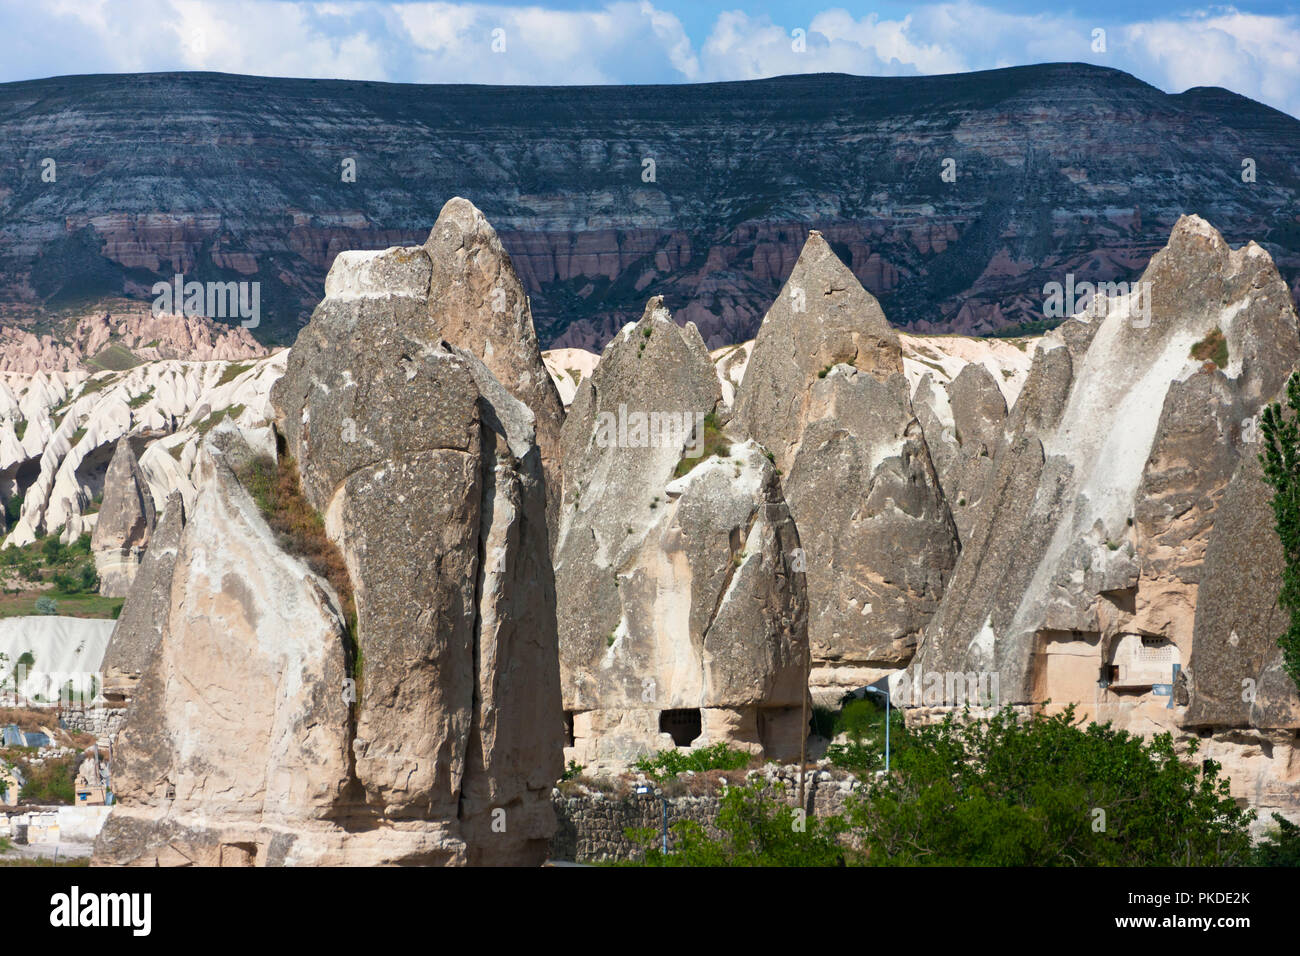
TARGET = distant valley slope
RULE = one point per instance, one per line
(1060, 168)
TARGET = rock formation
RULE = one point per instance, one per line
(824, 392)
(963, 425)
(477, 303)
(1118, 496)
(429, 480)
(1241, 705)
(125, 523)
(682, 618)
(126, 335)
(165, 407)
(143, 619)
(235, 749)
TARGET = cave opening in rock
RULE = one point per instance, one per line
(683, 725)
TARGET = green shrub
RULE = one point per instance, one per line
(46, 605)
(1280, 846)
(1281, 463)
(51, 781)
(82, 579)
(1212, 348)
(758, 830)
(714, 443)
(669, 763)
(1047, 791)
(52, 550)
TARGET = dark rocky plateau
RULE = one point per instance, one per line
(1061, 168)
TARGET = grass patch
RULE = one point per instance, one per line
(1023, 329)
(277, 489)
(233, 372)
(23, 604)
(44, 861)
(715, 443)
(211, 422)
(141, 399)
(115, 357)
(51, 781)
(1212, 348)
(94, 385)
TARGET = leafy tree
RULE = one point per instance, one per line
(862, 721)
(80, 579)
(1047, 791)
(1281, 846)
(52, 549)
(1281, 462)
(13, 509)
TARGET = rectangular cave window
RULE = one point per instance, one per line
(683, 725)
(568, 728)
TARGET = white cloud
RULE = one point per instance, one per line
(628, 41)
(1257, 56)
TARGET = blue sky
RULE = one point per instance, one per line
(1249, 47)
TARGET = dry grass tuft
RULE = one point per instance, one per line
(277, 489)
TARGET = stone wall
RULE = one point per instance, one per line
(592, 826)
(103, 722)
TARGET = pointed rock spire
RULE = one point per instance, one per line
(822, 318)
(477, 303)
(125, 523)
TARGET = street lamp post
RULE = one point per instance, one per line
(884, 691)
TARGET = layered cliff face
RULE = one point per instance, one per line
(824, 392)
(1052, 171)
(683, 618)
(1122, 482)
